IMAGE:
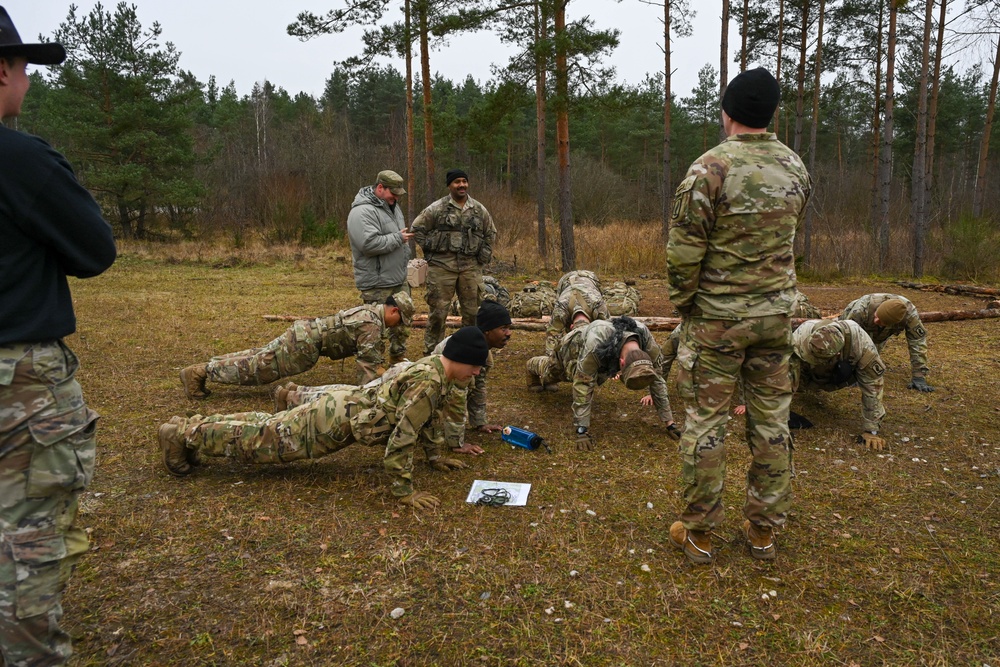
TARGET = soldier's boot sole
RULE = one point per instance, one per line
(193, 380)
(175, 457)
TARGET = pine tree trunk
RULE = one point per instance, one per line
(979, 198)
(932, 113)
(411, 162)
(541, 34)
(801, 79)
(918, 217)
(425, 74)
(745, 30)
(885, 154)
(562, 140)
(807, 249)
(777, 73)
(723, 63)
(876, 125)
(667, 185)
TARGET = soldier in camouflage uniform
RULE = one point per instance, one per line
(732, 277)
(358, 332)
(380, 248)
(494, 321)
(833, 355)
(466, 404)
(802, 307)
(883, 316)
(587, 356)
(456, 234)
(579, 294)
(398, 415)
(51, 228)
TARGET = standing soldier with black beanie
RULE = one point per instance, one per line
(732, 277)
(51, 228)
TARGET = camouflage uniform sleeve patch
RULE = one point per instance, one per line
(878, 367)
(682, 199)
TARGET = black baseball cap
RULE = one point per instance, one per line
(48, 53)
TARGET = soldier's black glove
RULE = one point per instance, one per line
(920, 384)
(584, 441)
(674, 432)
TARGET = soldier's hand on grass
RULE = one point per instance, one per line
(584, 440)
(443, 464)
(420, 500)
(740, 410)
(489, 428)
(871, 441)
(646, 400)
(920, 384)
(674, 431)
(474, 450)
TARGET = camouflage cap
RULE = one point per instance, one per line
(390, 179)
(405, 305)
(826, 341)
(890, 312)
(639, 372)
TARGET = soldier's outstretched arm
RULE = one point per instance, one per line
(916, 342)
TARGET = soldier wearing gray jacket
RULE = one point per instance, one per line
(379, 240)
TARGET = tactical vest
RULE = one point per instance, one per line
(457, 231)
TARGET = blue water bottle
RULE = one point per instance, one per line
(519, 437)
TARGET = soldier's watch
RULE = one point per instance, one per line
(580, 430)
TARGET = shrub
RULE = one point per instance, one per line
(974, 249)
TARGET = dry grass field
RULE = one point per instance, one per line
(888, 559)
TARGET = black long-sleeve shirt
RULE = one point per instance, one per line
(50, 228)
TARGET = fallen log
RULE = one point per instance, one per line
(670, 323)
(972, 290)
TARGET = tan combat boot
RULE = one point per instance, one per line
(193, 379)
(280, 395)
(175, 452)
(533, 381)
(761, 541)
(696, 544)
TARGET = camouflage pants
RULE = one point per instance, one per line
(545, 370)
(713, 355)
(47, 449)
(398, 335)
(442, 286)
(335, 420)
(293, 352)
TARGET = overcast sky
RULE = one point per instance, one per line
(245, 40)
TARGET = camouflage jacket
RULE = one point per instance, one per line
(582, 365)
(577, 291)
(467, 402)
(454, 237)
(729, 253)
(358, 332)
(859, 351)
(862, 311)
(412, 401)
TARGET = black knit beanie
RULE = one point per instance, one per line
(751, 98)
(492, 315)
(453, 174)
(467, 346)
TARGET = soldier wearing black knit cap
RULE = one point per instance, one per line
(494, 321)
(456, 234)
